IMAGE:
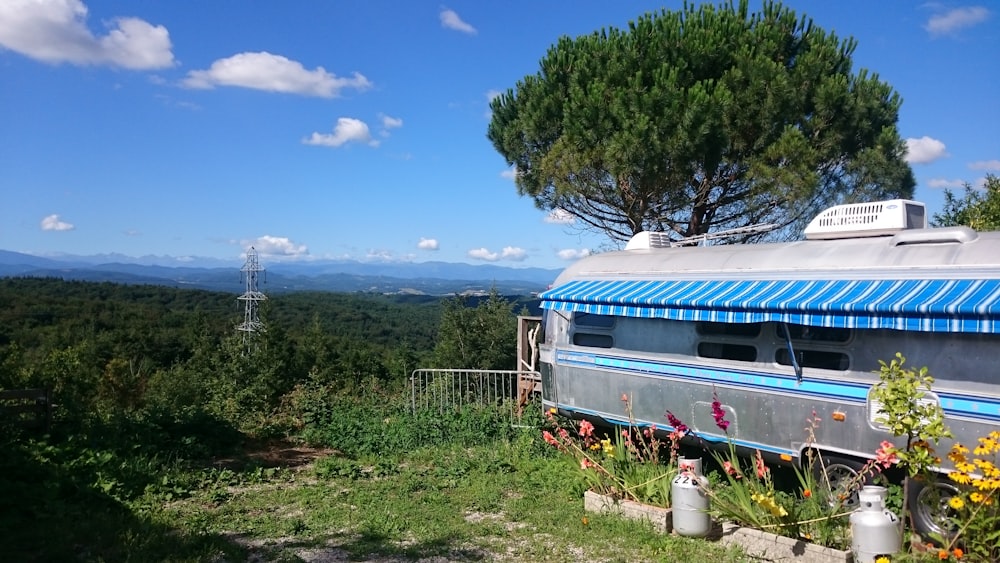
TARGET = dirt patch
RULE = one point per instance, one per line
(279, 453)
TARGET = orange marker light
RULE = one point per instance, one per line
(785, 457)
(839, 416)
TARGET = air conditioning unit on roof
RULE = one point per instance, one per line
(873, 219)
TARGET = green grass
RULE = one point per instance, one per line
(471, 489)
(489, 502)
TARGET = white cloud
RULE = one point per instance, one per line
(511, 253)
(451, 20)
(390, 122)
(924, 150)
(989, 165)
(427, 244)
(348, 130)
(492, 95)
(55, 31)
(942, 183)
(483, 254)
(510, 173)
(560, 216)
(379, 254)
(54, 223)
(573, 253)
(273, 73)
(277, 246)
(958, 18)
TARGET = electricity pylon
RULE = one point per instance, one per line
(251, 298)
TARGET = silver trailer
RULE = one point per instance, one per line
(781, 331)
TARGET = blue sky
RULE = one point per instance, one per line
(316, 129)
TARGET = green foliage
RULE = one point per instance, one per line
(905, 412)
(976, 508)
(977, 209)
(107, 350)
(632, 463)
(384, 425)
(480, 337)
(701, 119)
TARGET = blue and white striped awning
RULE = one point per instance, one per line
(935, 305)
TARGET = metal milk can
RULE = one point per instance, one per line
(875, 530)
(688, 500)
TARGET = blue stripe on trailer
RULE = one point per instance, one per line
(953, 403)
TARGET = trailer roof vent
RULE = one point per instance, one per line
(873, 219)
(649, 239)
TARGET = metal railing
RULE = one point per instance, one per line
(451, 389)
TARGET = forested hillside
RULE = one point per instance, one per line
(107, 349)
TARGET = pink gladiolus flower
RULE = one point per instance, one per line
(679, 426)
(719, 414)
(549, 439)
(759, 464)
(624, 398)
(586, 428)
(728, 467)
(563, 433)
(586, 464)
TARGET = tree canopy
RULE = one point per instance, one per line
(977, 209)
(700, 120)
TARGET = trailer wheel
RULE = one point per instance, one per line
(929, 509)
(836, 475)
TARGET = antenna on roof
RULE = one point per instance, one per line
(651, 239)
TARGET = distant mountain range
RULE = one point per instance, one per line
(430, 278)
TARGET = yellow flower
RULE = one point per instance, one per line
(985, 466)
(883, 559)
(960, 478)
(956, 502)
(982, 484)
(977, 498)
(995, 435)
(957, 457)
(965, 467)
(959, 449)
(990, 444)
(608, 447)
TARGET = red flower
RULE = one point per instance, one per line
(549, 439)
(586, 428)
(719, 414)
(679, 426)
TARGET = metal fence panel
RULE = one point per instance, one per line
(450, 389)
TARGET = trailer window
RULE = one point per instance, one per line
(596, 321)
(727, 351)
(805, 333)
(592, 340)
(814, 359)
(745, 330)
